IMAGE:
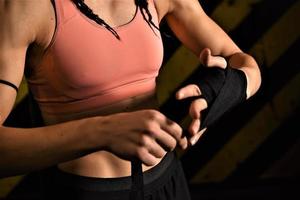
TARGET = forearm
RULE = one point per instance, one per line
(247, 64)
(24, 150)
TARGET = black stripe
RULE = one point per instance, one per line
(270, 150)
(273, 80)
(264, 14)
(210, 6)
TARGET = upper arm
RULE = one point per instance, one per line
(19, 27)
(196, 30)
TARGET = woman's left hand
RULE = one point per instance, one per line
(192, 90)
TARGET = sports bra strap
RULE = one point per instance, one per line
(64, 10)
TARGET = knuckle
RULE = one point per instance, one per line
(151, 112)
(143, 141)
(154, 114)
(150, 127)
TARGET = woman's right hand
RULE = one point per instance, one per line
(145, 134)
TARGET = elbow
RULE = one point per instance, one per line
(256, 76)
(248, 64)
(253, 75)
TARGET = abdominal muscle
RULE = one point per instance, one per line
(105, 164)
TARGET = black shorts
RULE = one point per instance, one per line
(166, 181)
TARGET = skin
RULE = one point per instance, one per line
(88, 146)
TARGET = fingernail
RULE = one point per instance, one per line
(193, 141)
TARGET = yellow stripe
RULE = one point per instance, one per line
(252, 135)
(6, 184)
(23, 91)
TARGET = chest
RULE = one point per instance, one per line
(113, 12)
(92, 57)
(85, 59)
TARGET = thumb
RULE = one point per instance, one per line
(191, 90)
(209, 60)
(204, 56)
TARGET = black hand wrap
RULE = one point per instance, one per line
(222, 95)
(210, 81)
(223, 89)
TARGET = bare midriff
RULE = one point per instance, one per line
(105, 164)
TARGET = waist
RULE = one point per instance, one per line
(117, 183)
(101, 164)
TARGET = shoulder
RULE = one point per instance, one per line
(166, 7)
(25, 21)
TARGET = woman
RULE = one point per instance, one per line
(94, 80)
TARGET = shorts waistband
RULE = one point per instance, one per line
(114, 184)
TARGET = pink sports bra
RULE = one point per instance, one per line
(86, 67)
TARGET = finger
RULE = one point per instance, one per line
(175, 131)
(216, 61)
(146, 157)
(134, 149)
(153, 147)
(194, 127)
(191, 90)
(183, 143)
(193, 140)
(156, 150)
(212, 61)
(169, 137)
(196, 107)
(167, 131)
(164, 139)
